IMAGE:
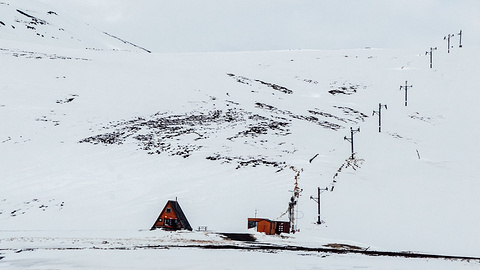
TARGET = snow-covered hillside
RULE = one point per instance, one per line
(99, 140)
(36, 22)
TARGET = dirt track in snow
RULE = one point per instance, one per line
(264, 247)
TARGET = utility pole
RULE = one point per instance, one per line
(379, 112)
(351, 138)
(317, 199)
(406, 90)
(460, 34)
(431, 55)
(448, 41)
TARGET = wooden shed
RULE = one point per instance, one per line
(172, 218)
(268, 226)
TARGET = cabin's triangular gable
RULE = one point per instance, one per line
(172, 210)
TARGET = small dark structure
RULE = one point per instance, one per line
(172, 218)
(245, 237)
(268, 226)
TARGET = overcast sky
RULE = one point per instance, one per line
(227, 25)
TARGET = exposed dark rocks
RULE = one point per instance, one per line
(162, 133)
(310, 81)
(240, 79)
(417, 116)
(309, 118)
(248, 161)
(247, 81)
(263, 126)
(37, 55)
(329, 115)
(31, 205)
(276, 87)
(184, 134)
(352, 112)
(345, 89)
(67, 99)
(34, 20)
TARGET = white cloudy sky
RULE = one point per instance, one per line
(227, 25)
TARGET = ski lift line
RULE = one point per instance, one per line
(447, 38)
(296, 191)
(352, 132)
(460, 42)
(406, 86)
(379, 112)
(431, 55)
(318, 199)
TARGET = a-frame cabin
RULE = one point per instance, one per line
(172, 218)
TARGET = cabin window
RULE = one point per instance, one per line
(171, 222)
(160, 220)
(169, 210)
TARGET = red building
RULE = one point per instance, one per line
(172, 218)
(269, 227)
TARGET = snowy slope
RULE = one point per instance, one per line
(99, 140)
(40, 23)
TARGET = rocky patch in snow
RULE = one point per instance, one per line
(184, 134)
(209, 127)
(32, 20)
(68, 99)
(345, 89)
(309, 118)
(321, 113)
(38, 55)
(309, 81)
(353, 113)
(263, 125)
(427, 119)
(249, 161)
(17, 209)
(52, 117)
(247, 81)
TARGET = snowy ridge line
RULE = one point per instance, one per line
(127, 42)
(262, 247)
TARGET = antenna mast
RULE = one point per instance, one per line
(293, 200)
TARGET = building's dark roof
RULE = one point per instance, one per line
(180, 215)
